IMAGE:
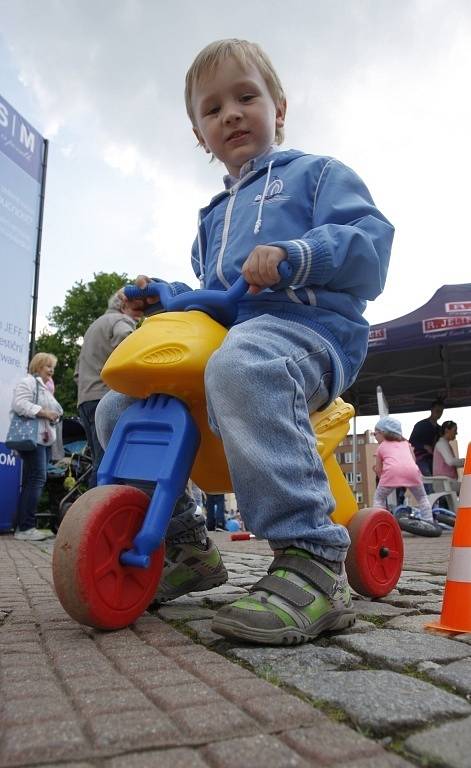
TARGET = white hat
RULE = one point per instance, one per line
(388, 424)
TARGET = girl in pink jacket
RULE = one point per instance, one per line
(396, 467)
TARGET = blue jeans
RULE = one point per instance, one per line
(425, 464)
(86, 412)
(33, 480)
(215, 517)
(261, 385)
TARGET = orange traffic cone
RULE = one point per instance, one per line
(456, 609)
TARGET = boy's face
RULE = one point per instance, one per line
(235, 115)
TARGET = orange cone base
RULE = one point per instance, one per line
(437, 626)
(456, 611)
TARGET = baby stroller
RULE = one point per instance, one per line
(67, 478)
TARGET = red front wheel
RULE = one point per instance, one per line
(374, 560)
(91, 583)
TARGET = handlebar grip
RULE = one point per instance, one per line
(285, 270)
(134, 292)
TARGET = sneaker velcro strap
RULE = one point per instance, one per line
(308, 569)
(295, 595)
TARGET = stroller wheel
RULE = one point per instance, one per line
(444, 516)
(420, 527)
(374, 559)
(91, 583)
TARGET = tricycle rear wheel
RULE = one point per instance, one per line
(91, 583)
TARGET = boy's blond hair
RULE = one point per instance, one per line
(40, 360)
(245, 53)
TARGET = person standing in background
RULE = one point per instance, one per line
(215, 512)
(33, 399)
(100, 339)
(445, 463)
(423, 438)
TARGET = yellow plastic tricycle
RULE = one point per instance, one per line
(109, 552)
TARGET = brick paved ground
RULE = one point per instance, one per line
(168, 692)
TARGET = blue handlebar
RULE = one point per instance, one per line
(220, 305)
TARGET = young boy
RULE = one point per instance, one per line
(295, 346)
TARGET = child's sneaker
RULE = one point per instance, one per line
(190, 568)
(298, 600)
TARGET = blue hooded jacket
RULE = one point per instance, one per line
(336, 240)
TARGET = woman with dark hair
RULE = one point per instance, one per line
(33, 399)
(445, 462)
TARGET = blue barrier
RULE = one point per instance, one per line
(10, 479)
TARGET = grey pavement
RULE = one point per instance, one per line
(170, 693)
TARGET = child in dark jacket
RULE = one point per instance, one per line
(296, 344)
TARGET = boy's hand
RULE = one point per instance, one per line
(139, 305)
(261, 268)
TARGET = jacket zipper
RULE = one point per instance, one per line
(227, 223)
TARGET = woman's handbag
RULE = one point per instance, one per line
(22, 434)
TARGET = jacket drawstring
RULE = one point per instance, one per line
(258, 223)
(200, 252)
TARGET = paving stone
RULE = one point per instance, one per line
(326, 742)
(448, 744)
(27, 675)
(187, 654)
(375, 608)
(214, 674)
(129, 665)
(431, 607)
(457, 674)
(425, 666)
(36, 742)
(236, 690)
(412, 623)
(149, 728)
(67, 765)
(361, 625)
(7, 637)
(280, 711)
(253, 752)
(415, 601)
(173, 675)
(243, 581)
(222, 599)
(284, 662)
(203, 631)
(380, 700)
(419, 587)
(385, 760)
(36, 709)
(173, 758)
(27, 688)
(223, 591)
(113, 681)
(31, 648)
(24, 660)
(113, 700)
(182, 696)
(184, 613)
(385, 647)
(215, 720)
